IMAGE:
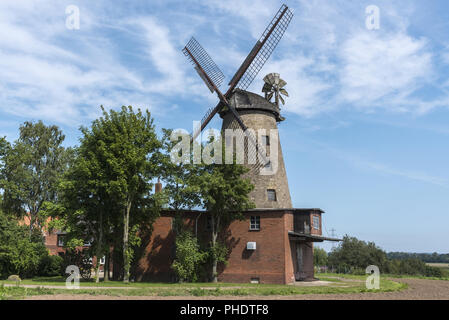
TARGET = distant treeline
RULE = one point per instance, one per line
(353, 256)
(426, 257)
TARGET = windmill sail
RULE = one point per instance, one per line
(262, 49)
(204, 65)
(213, 77)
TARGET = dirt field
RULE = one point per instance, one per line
(418, 289)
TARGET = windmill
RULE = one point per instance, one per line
(230, 106)
(274, 85)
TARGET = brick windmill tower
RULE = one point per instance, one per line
(254, 116)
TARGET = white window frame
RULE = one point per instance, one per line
(254, 225)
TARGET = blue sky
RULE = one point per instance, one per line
(366, 136)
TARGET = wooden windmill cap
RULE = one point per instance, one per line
(245, 100)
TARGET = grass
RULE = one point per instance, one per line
(60, 281)
(18, 292)
(340, 284)
(363, 277)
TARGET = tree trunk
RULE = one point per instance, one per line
(214, 258)
(106, 265)
(99, 249)
(126, 258)
(32, 220)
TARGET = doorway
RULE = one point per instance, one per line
(299, 274)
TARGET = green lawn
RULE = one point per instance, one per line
(361, 277)
(339, 284)
(60, 281)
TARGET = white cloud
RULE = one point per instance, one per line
(307, 92)
(375, 67)
(327, 57)
(351, 67)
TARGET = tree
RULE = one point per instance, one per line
(319, 257)
(176, 177)
(353, 253)
(4, 145)
(180, 191)
(188, 257)
(31, 171)
(123, 149)
(224, 195)
(19, 253)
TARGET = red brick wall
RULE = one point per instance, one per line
(267, 262)
(273, 261)
(51, 243)
(288, 249)
(158, 255)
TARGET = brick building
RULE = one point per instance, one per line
(268, 246)
(273, 244)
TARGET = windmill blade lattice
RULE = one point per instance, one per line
(268, 42)
(204, 60)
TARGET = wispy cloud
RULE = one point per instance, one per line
(357, 161)
(131, 55)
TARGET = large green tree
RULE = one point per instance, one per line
(224, 195)
(123, 150)
(179, 188)
(32, 168)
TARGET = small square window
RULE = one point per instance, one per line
(271, 194)
(254, 223)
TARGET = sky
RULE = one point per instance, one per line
(366, 135)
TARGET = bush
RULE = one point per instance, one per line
(353, 254)
(51, 266)
(433, 272)
(20, 253)
(80, 258)
(188, 257)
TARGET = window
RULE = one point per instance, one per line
(266, 140)
(316, 222)
(254, 223)
(271, 194)
(60, 240)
